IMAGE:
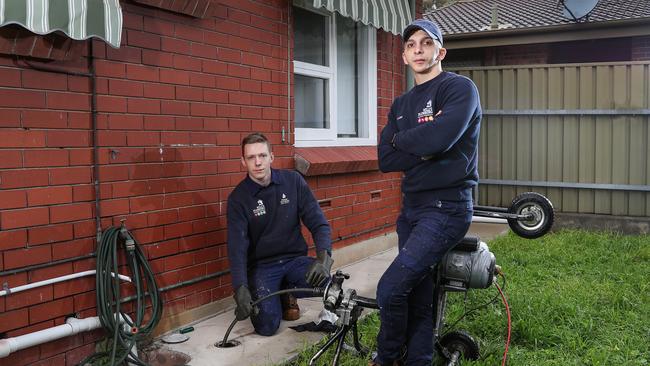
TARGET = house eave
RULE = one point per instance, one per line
(550, 34)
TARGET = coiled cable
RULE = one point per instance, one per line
(316, 291)
(126, 332)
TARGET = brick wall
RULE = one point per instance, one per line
(522, 54)
(173, 104)
(641, 48)
(620, 49)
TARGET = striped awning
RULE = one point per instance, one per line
(79, 19)
(392, 15)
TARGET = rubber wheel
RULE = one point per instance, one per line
(462, 342)
(543, 215)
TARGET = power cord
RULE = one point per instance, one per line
(467, 312)
(505, 302)
(501, 294)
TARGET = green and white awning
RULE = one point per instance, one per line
(392, 15)
(79, 19)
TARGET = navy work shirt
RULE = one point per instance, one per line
(264, 222)
(432, 137)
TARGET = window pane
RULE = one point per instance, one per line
(310, 37)
(347, 77)
(311, 102)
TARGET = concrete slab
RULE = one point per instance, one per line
(487, 231)
(258, 350)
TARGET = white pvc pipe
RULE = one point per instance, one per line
(55, 280)
(72, 326)
(488, 220)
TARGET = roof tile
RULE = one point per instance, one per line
(476, 15)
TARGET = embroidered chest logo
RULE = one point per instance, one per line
(284, 199)
(260, 210)
(426, 115)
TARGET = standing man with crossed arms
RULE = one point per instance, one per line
(432, 138)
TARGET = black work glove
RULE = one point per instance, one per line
(319, 272)
(244, 303)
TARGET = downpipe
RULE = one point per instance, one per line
(72, 326)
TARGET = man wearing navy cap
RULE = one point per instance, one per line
(266, 249)
(432, 138)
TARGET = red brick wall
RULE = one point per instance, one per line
(173, 104)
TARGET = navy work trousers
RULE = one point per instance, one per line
(267, 278)
(425, 231)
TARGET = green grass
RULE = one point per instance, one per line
(576, 297)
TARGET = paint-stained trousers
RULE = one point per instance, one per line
(426, 231)
(267, 278)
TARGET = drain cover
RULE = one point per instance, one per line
(174, 338)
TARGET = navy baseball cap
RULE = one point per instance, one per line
(426, 25)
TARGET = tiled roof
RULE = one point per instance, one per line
(475, 16)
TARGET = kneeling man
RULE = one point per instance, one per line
(266, 248)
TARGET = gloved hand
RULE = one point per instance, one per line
(320, 270)
(244, 303)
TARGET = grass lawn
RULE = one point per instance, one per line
(576, 297)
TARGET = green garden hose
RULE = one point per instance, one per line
(109, 293)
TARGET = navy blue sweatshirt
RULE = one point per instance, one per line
(432, 137)
(264, 222)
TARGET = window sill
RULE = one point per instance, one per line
(340, 142)
(311, 161)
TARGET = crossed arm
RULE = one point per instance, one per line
(402, 150)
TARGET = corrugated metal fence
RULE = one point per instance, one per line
(578, 133)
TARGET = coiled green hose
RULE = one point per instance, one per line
(108, 298)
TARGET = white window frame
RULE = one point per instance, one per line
(314, 137)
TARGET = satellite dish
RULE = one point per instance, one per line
(577, 9)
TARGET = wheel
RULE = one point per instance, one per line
(461, 342)
(541, 209)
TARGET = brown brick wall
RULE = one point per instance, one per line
(641, 48)
(619, 49)
(522, 54)
(173, 104)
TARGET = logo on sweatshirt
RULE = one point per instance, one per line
(426, 115)
(284, 199)
(260, 210)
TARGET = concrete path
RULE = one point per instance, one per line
(258, 350)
